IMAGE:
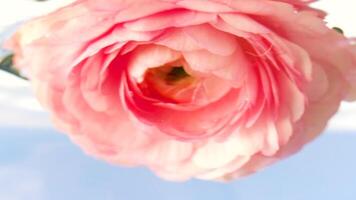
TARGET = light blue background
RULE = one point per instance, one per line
(40, 164)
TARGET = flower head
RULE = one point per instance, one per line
(212, 89)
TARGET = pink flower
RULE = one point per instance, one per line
(211, 89)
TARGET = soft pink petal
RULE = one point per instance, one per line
(215, 41)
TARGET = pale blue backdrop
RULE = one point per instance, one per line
(40, 164)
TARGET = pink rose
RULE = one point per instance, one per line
(211, 89)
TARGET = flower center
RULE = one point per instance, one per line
(169, 82)
(177, 73)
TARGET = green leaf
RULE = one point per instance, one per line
(339, 30)
(6, 64)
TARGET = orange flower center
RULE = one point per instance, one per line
(170, 82)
